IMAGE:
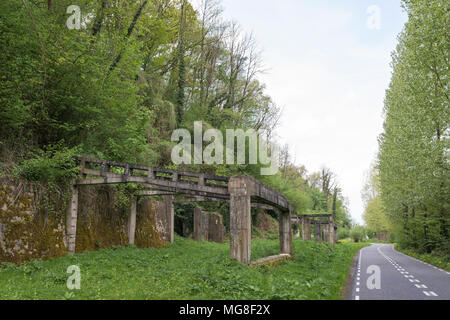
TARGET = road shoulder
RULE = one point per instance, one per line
(347, 288)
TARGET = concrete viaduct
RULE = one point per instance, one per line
(242, 192)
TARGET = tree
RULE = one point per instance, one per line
(413, 156)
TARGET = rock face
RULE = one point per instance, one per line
(27, 229)
(208, 226)
(33, 220)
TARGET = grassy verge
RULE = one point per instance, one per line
(440, 261)
(185, 270)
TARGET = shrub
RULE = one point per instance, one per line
(51, 165)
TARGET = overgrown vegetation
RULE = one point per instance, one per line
(116, 89)
(439, 260)
(185, 270)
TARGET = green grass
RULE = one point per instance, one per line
(441, 261)
(185, 270)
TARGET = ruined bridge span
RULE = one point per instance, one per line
(242, 192)
(325, 228)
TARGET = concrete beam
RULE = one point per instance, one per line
(271, 260)
(169, 185)
(154, 193)
(316, 215)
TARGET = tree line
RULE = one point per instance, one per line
(409, 191)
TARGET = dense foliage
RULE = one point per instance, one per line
(414, 148)
(375, 213)
(118, 86)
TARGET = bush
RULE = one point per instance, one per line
(358, 233)
(50, 165)
(343, 233)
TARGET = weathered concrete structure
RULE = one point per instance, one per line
(241, 192)
(324, 227)
(271, 260)
(132, 221)
(208, 226)
(71, 220)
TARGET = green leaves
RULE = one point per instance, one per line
(413, 157)
(55, 165)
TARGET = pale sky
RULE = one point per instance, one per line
(328, 70)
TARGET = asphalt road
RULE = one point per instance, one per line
(382, 273)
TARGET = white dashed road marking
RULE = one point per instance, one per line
(411, 277)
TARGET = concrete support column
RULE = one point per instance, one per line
(326, 236)
(335, 233)
(331, 235)
(297, 231)
(197, 224)
(205, 226)
(71, 220)
(201, 225)
(132, 221)
(285, 232)
(317, 234)
(306, 228)
(240, 219)
(170, 215)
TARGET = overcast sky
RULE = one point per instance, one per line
(328, 67)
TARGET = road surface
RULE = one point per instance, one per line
(382, 273)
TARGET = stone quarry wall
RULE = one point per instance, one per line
(32, 220)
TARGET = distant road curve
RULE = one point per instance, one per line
(382, 273)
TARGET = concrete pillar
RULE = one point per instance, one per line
(240, 219)
(201, 225)
(208, 226)
(205, 226)
(132, 221)
(170, 215)
(297, 231)
(331, 231)
(306, 228)
(216, 230)
(198, 224)
(335, 234)
(317, 234)
(71, 220)
(326, 236)
(285, 232)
